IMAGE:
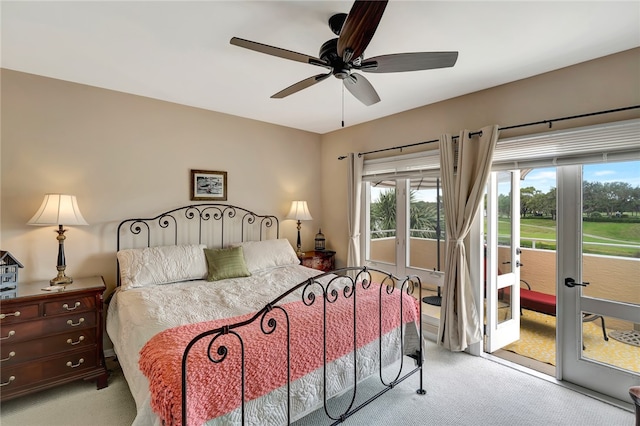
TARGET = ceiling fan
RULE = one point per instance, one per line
(345, 54)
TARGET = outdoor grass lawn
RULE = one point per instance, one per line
(597, 232)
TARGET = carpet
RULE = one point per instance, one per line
(538, 341)
(466, 390)
(630, 337)
(75, 404)
(461, 390)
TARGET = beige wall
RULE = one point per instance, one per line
(125, 155)
(128, 156)
(606, 83)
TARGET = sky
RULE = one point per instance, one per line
(629, 172)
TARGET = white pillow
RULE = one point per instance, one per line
(161, 265)
(260, 255)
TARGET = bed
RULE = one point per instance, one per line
(214, 321)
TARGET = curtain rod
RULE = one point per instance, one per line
(479, 133)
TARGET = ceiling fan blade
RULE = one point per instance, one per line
(361, 89)
(276, 51)
(401, 62)
(307, 82)
(359, 27)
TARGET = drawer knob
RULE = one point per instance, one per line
(11, 355)
(15, 314)
(71, 342)
(11, 333)
(72, 365)
(75, 324)
(75, 306)
(11, 379)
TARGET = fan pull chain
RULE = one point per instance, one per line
(342, 105)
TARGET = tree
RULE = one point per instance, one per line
(550, 203)
(422, 216)
(618, 195)
(609, 197)
(383, 213)
(635, 201)
(504, 205)
(526, 200)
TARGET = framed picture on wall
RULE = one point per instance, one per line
(208, 185)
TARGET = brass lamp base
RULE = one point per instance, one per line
(299, 251)
(61, 279)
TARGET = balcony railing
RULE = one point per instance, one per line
(612, 277)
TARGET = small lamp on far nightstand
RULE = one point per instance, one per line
(299, 211)
(59, 209)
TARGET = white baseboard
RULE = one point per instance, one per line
(108, 353)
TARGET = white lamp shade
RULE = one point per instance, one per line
(299, 211)
(58, 209)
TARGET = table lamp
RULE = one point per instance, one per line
(299, 211)
(59, 209)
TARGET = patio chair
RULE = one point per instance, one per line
(546, 304)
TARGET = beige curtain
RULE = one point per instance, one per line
(354, 192)
(463, 182)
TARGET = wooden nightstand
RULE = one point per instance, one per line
(51, 337)
(322, 260)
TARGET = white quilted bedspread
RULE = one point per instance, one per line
(136, 315)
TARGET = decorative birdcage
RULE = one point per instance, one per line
(9, 267)
(320, 241)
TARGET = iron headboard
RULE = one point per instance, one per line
(213, 224)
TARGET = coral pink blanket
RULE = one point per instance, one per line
(214, 389)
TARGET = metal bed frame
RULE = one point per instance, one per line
(312, 290)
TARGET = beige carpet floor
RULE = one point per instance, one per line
(461, 390)
(74, 404)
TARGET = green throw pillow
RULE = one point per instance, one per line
(226, 263)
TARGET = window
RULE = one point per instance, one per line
(404, 221)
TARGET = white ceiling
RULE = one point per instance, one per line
(179, 51)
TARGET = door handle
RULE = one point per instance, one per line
(518, 264)
(570, 282)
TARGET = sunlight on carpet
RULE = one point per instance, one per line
(537, 341)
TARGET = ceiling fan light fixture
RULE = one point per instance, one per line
(345, 54)
(341, 74)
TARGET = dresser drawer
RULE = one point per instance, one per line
(10, 313)
(37, 328)
(15, 353)
(72, 304)
(48, 338)
(15, 379)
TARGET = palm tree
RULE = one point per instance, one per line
(383, 214)
(423, 219)
(422, 216)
